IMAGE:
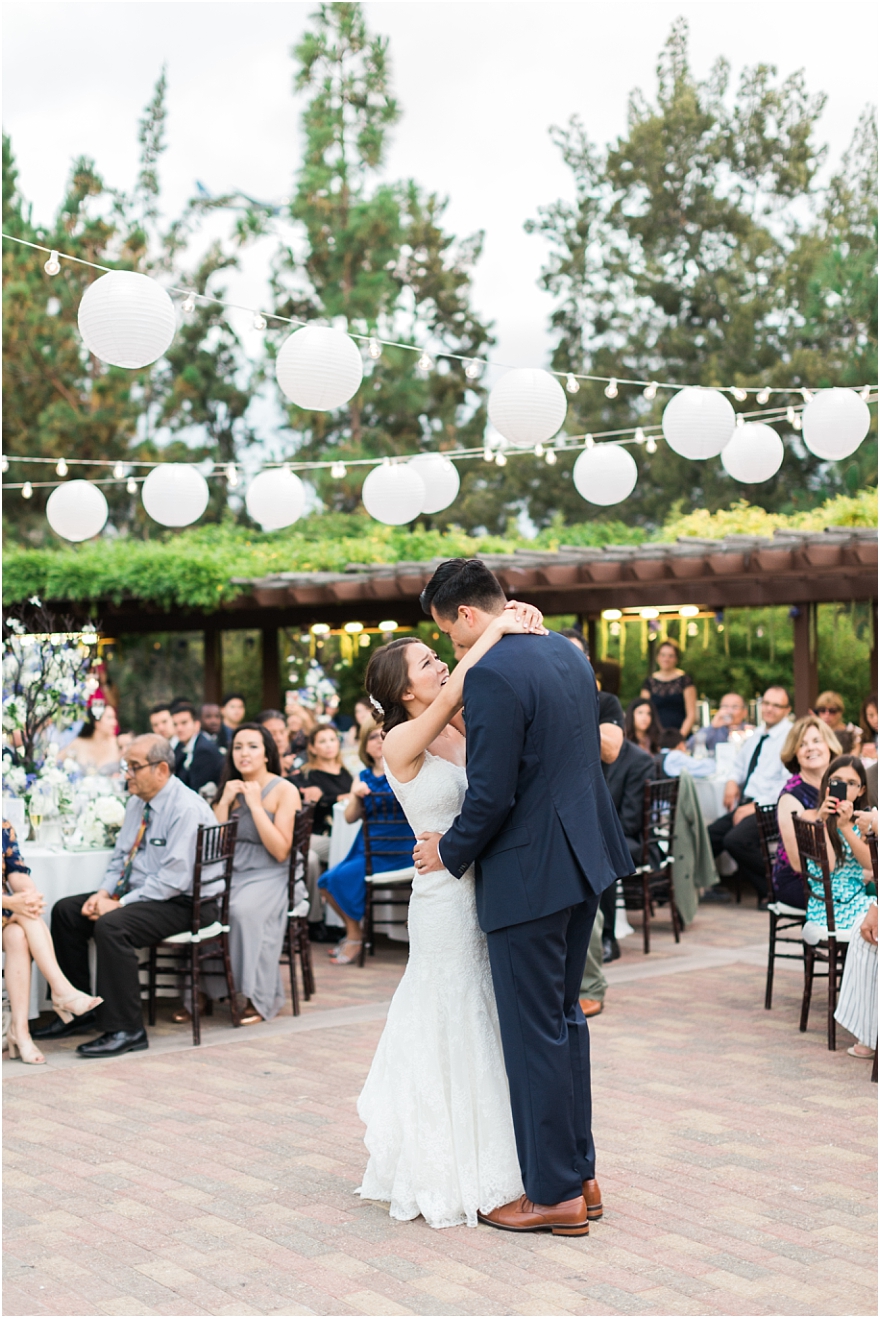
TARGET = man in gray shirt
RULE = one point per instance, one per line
(146, 896)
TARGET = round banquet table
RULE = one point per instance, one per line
(60, 874)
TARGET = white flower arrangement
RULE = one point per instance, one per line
(100, 822)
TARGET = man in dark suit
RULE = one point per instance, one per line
(197, 758)
(538, 821)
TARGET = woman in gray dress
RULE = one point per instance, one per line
(252, 791)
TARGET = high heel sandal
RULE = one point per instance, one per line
(340, 960)
(76, 1005)
(28, 1052)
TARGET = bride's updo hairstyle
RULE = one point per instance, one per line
(387, 680)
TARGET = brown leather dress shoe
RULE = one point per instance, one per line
(593, 1197)
(566, 1219)
(591, 1007)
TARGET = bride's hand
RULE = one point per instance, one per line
(519, 617)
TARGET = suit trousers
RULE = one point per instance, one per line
(118, 935)
(536, 970)
(743, 843)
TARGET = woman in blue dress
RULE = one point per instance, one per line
(848, 853)
(345, 885)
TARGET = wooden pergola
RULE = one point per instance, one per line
(798, 569)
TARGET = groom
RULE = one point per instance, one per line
(539, 822)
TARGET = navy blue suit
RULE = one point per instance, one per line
(540, 825)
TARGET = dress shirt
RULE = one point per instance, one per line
(769, 775)
(188, 750)
(163, 864)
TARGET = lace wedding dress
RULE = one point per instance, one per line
(436, 1104)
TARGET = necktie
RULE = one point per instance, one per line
(754, 760)
(123, 883)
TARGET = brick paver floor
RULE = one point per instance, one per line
(736, 1158)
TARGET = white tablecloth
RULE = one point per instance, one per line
(342, 836)
(710, 793)
(60, 874)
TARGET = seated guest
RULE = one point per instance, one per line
(276, 725)
(253, 792)
(232, 712)
(729, 717)
(197, 761)
(161, 722)
(758, 777)
(25, 936)
(672, 690)
(326, 781)
(610, 712)
(675, 758)
(345, 885)
(850, 740)
(146, 896)
(642, 726)
(868, 724)
(626, 777)
(300, 723)
(857, 1005)
(363, 713)
(848, 853)
(211, 720)
(829, 708)
(806, 754)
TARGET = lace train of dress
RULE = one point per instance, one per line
(436, 1103)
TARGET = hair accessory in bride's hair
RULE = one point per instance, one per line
(378, 708)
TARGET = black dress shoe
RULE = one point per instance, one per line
(58, 1029)
(610, 949)
(114, 1043)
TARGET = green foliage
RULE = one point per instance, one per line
(742, 518)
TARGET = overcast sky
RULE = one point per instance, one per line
(479, 85)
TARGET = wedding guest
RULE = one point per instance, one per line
(232, 712)
(868, 724)
(641, 726)
(363, 713)
(758, 777)
(830, 707)
(146, 896)
(25, 936)
(327, 781)
(731, 716)
(300, 723)
(857, 1006)
(161, 722)
(610, 712)
(197, 760)
(252, 791)
(371, 798)
(211, 720)
(276, 725)
(806, 754)
(848, 853)
(96, 749)
(672, 690)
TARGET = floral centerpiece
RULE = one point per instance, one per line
(100, 822)
(318, 689)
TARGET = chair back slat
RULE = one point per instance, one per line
(658, 821)
(811, 844)
(768, 833)
(299, 850)
(872, 847)
(393, 837)
(215, 845)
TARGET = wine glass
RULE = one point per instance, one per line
(68, 829)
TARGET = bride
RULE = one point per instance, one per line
(436, 1104)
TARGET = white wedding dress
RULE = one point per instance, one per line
(436, 1104)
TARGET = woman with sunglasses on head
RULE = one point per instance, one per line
(807, 752)
(841, 793)
(252, 791)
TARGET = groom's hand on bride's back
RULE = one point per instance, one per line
(426, 854)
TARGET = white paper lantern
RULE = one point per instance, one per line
(175, 494)
(76, 510)
(441, 480)
(527, 407)
(605, 474)
(126, 319)
(276, 498)
(319, 368)
(394, 494)
(698, 423)
(835, 423)
(754, 454)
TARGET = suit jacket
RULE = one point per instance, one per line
(206, 765)
(537, 818)
(626, 779)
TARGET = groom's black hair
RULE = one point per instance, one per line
(462, 581)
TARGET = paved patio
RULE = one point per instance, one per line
(737, 1162)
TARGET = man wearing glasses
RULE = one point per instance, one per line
(758, 777)
(146, 896)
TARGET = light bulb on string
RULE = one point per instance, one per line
(639, 436)
(790, 416)
(739, 394)
(589, 442)
(500, 460)
(571, 384)
(472, 370)
(865, 393)
(374, 348)
(550, 458)
(131, 485)
(259, 321)
(231, 475)
(740, 419)
(4, 464)
(189, 303)
(52, 267)
(337, 471)
(650, 390)
(806, 396)
(539, 450)
(651, 444)
(61, 467)
(763, 396)
(488, 455)
(611, 389)
(797, 423)
(119, 471)
(27, 490)
(426, 362)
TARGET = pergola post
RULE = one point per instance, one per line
(806, 658)
(213, 645)
(271, 669)
(592, 640)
